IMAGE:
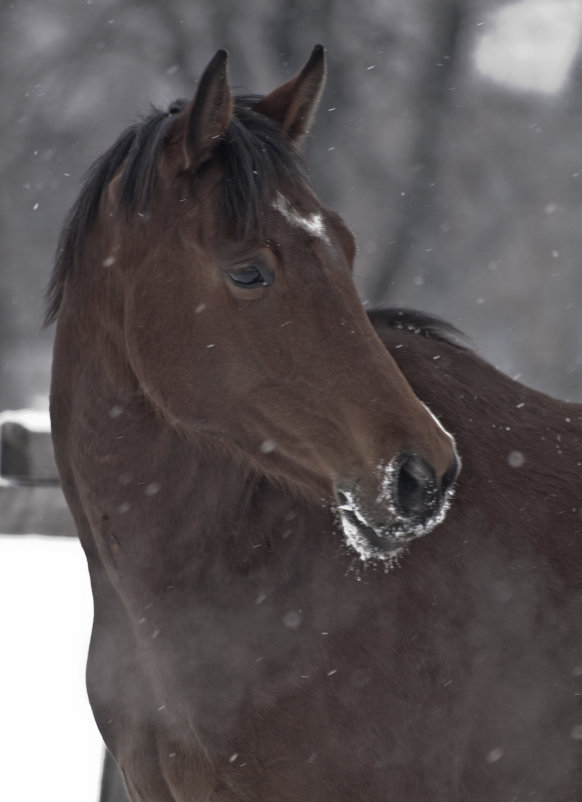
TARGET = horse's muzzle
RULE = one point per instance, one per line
(408, 501)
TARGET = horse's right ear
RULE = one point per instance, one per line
(207, 115)
(293, 105)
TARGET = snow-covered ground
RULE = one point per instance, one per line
(51, 749)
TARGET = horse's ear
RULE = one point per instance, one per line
(208, 113)
(293, 105)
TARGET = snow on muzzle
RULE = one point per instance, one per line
(408, 502)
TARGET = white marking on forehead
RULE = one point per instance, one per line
(313, 224)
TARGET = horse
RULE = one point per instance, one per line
(488, 610)
(468, 677)
(209, 432)
(457, 675)
(296, 593)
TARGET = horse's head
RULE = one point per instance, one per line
(231, 300)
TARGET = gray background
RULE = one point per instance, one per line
(463, 189)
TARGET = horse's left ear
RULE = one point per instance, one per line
(293, 105)
(208, 113)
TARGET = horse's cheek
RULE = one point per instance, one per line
(160, 351)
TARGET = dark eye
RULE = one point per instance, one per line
(251, 276)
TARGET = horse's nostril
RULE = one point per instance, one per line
(418, 494)
(416, 490)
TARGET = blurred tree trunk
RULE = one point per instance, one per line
(434, 98)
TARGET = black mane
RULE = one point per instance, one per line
(254, 153)
(429, 326)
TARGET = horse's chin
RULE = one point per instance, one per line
(387, 541)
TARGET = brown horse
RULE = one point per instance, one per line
(483, 631)
(231, 436)
(457, 676)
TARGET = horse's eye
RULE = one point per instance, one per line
(250, 276)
